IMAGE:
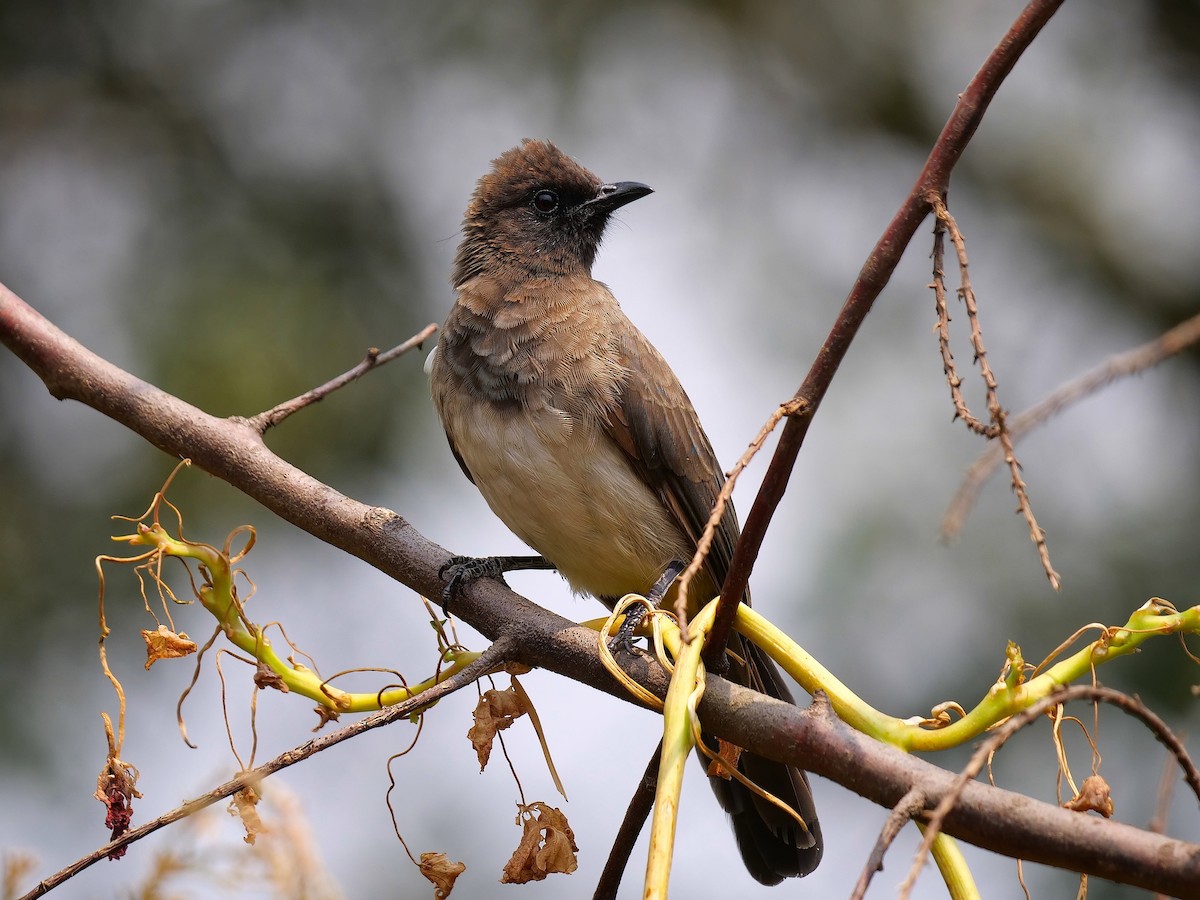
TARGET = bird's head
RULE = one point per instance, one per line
(538, 212)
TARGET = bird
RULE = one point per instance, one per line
(583, 441)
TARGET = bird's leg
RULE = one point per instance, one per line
(623, 640)
(463, 569)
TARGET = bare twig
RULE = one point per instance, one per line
(935, 176)
(373, 360)
(998, 428)
(703, 545)
(1166, 787)
(492, 657)
(949, 366)
(1126, 703)
(639, 808)
(910, 804)
(1131, 362)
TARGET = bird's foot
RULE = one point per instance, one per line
(624, 638)
(460, 570)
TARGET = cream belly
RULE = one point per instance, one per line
(565, 489)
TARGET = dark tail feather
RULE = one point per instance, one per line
(773, 845)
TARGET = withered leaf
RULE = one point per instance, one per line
(727, 760)
(547, 846)
(495, 711)
(244, 805)
(437, 868)
(1095, 795)
(166, 644)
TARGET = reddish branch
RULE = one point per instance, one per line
(636, 814)
(812, 739)
(934, 178)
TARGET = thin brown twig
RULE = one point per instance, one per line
(639, 808)
(875, 274)
(1124, 702)
(1123, 365)
(387, 797)
(373, 360)
(910, 804)
(1166, 787)
(790, 408)
(492, 657)
(998, 428)
(949, 366)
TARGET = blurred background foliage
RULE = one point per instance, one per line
(234, 200)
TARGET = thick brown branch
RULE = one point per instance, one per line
(937, 819)
(875, 273)
(1004, 822)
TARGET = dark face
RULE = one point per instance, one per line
(540, 211)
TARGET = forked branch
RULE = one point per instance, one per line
(874, 276)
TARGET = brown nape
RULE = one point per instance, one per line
(502, 229)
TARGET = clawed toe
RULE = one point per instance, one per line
(462, 569)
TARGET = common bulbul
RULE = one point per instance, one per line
(582, 440)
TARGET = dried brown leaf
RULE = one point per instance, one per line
(166, 644)
(244, 805)
(495, 711)
(1094, 795)
(115, 788)
(547, 846)
(265, 677)
(325, 715)
(726, 760)
(437, 868)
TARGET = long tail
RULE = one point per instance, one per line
(773, 845)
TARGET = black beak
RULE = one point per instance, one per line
(614, 196)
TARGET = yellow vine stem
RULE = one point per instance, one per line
(1010, 694)
(687, 684)
(1018, 686)
(953, 868)
(219, 596)
(607, 627)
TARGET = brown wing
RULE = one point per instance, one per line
(458, 456)
(656, 424)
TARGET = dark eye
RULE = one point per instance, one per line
(545, 202)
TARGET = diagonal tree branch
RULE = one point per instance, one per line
(874, 276)
(813, 739)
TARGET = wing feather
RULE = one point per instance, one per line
(657, 427)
